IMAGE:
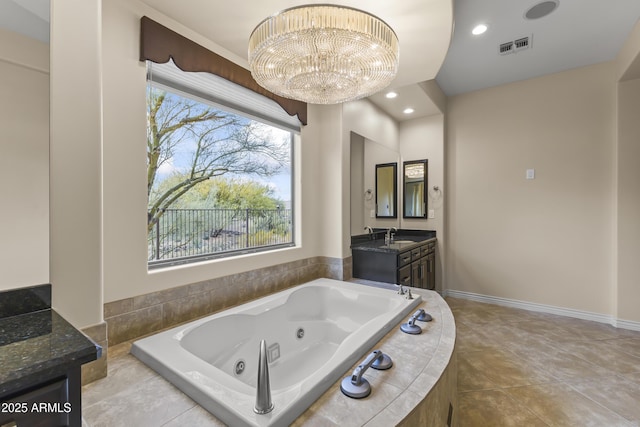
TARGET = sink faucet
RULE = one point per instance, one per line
(369, 229)
(263, 388)
(388, 238)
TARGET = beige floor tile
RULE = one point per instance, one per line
(150, 403)
(123, 373)
(560, 405)
(562, 365)
(605, 354)
(469, 377)
(628, 345)
(494, 408)
(620, 395)
(505, 369)
(195, 417)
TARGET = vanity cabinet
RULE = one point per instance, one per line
(417, 267)
(407, 264)
(48, 404)
(41, 355)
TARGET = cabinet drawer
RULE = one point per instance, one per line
(404, 275)
(415, 254)
(404, 258)
(428, 248)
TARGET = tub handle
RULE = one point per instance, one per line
(358, 387)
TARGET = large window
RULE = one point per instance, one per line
(219, 172)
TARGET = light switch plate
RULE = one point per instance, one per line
(432, 213)
(372, 213)
(531, 173)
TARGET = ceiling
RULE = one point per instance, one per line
(423, 28)
(577, 33)
(28, 17)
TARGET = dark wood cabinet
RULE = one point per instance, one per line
(414, 266)
(41, 355)
(52, 403)
(423, 267)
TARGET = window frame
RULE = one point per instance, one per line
(227, 105)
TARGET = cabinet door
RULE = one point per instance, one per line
(415, 274)
(47, 406)
(430, 279)
(424, 273)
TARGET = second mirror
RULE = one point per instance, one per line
(414, 189)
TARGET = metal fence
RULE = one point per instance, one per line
(191, 232)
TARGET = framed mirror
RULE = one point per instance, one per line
(414, 189)
(386, 190)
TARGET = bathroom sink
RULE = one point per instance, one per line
(403, 241)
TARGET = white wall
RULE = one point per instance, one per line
(125, 247)
(547, 240)
(628, 194)
(365, 119)
(423, 138)
(75, 161)
(24, 161)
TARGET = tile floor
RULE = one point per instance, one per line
(522, 368)
(516, 368)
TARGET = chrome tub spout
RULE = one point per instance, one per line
(263, 388)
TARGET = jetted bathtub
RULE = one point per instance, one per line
(314, 333)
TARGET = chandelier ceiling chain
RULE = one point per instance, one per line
(323, 54)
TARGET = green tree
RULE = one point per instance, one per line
(223, 143)
(220, 193)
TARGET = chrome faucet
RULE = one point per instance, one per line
(263, 388)
(369, 229)
(388, 238)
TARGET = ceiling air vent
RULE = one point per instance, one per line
(522, 43)
(506, 48)
(515, 45)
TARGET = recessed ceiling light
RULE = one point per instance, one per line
(391, 95)
(479, 29)
(408, 110)
(541, 9)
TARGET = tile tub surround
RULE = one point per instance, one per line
(139, 316)
(417, 390)
(98, 368)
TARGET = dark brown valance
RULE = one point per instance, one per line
(159, 44)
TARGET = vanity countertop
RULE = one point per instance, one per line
(403, 241)
(36, 343)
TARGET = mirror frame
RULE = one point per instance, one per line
(394, 167)
(424, 162)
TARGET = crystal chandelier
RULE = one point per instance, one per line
(323, 54)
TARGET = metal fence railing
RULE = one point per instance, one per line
(182, 233)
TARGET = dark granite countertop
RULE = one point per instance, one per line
(404, 240)
(36, 343)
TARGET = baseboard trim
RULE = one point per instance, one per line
(543, 308)
(627, 324)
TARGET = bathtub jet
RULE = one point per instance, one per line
(322, 328)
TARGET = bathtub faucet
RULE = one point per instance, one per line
(263, 388)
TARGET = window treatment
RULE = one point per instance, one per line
(159, 44)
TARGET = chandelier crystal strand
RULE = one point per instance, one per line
(323, 54)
